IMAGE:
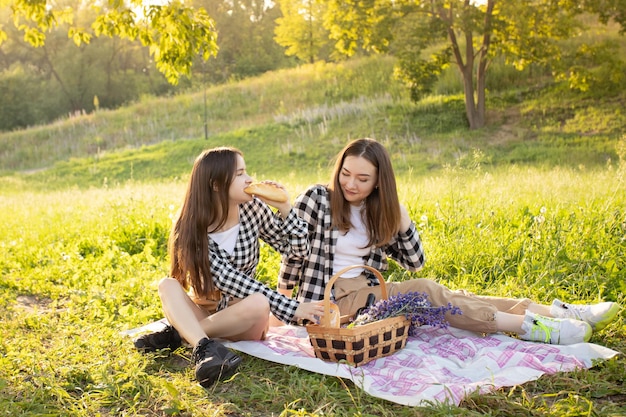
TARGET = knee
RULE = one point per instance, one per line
(168, 285)
(258, 305)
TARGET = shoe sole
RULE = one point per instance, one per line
(227, 370)
(152, 349)
(608, 317)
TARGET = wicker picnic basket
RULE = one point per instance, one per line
(360, 344)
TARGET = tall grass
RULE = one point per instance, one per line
(228, 107)
(303, 110)
(80, 266)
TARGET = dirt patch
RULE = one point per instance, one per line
(509, 129)
(34, 304)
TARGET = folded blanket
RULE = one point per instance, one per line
(435, 366)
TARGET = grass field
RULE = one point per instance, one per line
(78, 267)
(534, 205)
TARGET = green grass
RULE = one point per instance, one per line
(532, 205)
(80, 266)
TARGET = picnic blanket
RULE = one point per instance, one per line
(436, 365)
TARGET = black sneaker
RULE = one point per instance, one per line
(213, 362)
(164, 339)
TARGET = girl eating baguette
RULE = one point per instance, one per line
(211, 291)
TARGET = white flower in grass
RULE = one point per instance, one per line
(540, 218)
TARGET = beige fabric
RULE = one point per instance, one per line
(478, 311)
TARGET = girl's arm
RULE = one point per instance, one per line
(286, 235)
(406, 248)
(235, 283)
(306, 207)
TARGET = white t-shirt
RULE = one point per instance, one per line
(226, 238)
(352, 246)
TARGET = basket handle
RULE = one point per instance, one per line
(383, 288)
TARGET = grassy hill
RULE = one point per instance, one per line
(292, 122)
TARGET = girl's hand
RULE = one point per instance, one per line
(310, 311)
(285, 207)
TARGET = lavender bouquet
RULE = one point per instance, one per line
(413, 305)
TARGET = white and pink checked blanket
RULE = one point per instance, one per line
(435, 366)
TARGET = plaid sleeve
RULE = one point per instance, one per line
(310, 273)
(235, 283)
(234, 275)
(407, 249)
(287, 235)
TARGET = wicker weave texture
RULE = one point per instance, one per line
(360, 344)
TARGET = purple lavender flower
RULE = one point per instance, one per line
(414, 306)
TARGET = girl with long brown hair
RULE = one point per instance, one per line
(214, 251)
(358, 220)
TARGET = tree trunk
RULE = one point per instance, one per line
(480, 100)
(471, 110)
(473, 115)
(481, 71)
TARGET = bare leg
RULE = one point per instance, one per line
(181, 311)
(541, 309)
(507, 322)
(246, 320)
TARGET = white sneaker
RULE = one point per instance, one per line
(597, 315)
(555, 331)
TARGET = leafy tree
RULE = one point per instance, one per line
(301, 30)
(64, 79)
(175, 33)
(245, 31)
(428, 36)
(14, 111)
(606, 10)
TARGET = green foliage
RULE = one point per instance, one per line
(61, 78)
(595, 69)
(428, 36)
(175, 33)
(14, 111)
(64, 78)
(301, 33)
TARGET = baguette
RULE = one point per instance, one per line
(268, 191)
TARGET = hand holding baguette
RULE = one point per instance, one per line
(272, 193)
(267, 190)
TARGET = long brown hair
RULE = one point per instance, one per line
(382, 206)
(205, 205)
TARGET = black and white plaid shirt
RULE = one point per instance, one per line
(311, 273)
(234, 275)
